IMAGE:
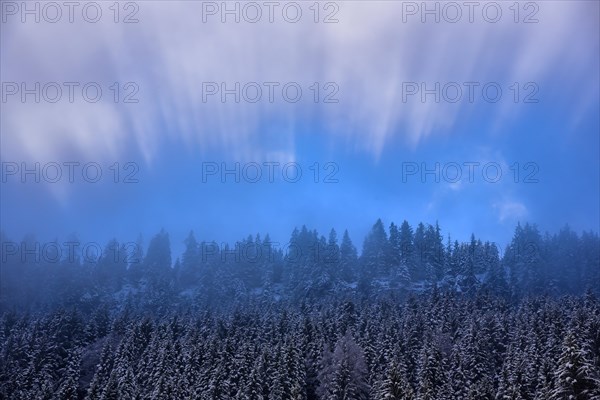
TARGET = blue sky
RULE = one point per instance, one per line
(369, 139)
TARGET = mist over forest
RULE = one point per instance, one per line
(413, 316)
(394, 261)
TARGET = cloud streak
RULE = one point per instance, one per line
(369, 54)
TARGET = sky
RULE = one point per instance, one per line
(240, 118)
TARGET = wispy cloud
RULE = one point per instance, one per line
(369, 54)
(510, 211)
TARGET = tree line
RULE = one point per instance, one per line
(397, 260)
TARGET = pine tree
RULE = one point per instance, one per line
(431, 372)
(407, 251)
(344, 372)
(135, 270)
(576, 377)
(395, 248)
(102, 374)
(394, 386)
(437, 260)
(68, 388)
(469, 262)
(399, 274)
(524, 259)
(496, 276)
(420, 253)
(348, 258)
(375, 252)
(157, 262)
(190, 262)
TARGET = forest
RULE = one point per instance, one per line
(413, 316)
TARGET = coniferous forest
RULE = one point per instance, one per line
(414, 315)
